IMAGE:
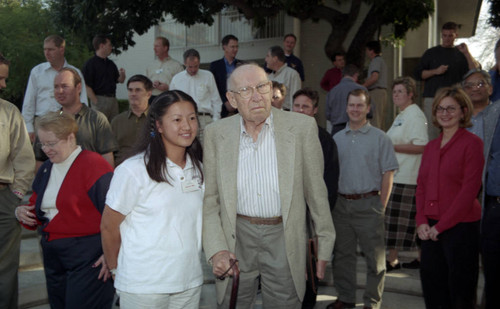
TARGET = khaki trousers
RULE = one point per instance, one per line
(260, 250)
(203, 120)
(432, 130)
(359, 222)
(10, 242)
(379, 99)
(106, 105)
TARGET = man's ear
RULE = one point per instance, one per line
(231, 99)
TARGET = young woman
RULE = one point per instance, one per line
(151, 226)
(448, 211)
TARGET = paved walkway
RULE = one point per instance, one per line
(402, 287)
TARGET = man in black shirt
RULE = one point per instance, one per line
(442, 66)
(101, 75)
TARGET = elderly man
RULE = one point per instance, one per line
(161, 71)
(261, 168)
(39, 96)
(94, 131)
(127, 125)
(101, 75)
(367, 164)
(276, 62)
(17, 166)
(477, 85)
(199, 84)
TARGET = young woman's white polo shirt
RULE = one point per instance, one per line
(161, 234)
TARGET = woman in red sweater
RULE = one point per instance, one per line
(448, 211)
(68, 198)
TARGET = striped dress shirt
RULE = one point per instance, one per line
(258, 186)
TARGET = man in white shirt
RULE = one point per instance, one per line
(39, 97)
(161, 71)
(199, 84)
(276, 62)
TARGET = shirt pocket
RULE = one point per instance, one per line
(201, 92)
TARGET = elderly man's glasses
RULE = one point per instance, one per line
(478, 85)
(247, 92)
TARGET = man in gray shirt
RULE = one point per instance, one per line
(367, 164)
(377, 82)
(477, 85)
(336, 99)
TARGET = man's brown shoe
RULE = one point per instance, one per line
(338, 304)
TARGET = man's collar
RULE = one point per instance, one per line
(267, 122)
(227, 61)
(144, 113)
(363, 129)
(167, 58)
(281, 68)
(83, 110)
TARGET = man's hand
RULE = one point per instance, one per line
(463, 48)
(122, 75)
(320, 269)
(160, 86)
(441, 69)
(220, 263)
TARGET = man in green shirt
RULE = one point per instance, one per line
(126, 125)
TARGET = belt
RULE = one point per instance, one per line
(262, 221)
(358, 196)
(3, 185)
(204, 114)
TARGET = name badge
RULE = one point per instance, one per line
(159, 71)
(190, 186)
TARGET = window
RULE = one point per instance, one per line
(229, 21)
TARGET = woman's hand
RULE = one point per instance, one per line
(104, 274)
(433, 233)
(25, 216)
(423, 231)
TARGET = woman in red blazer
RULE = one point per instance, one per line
(448, 211)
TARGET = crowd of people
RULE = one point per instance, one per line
(231, 161)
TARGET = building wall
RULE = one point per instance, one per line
(136, 58)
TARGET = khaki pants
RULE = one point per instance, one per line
(359, 221)
(260, 250)
(10, 243)
(203, 120)
(379, 99)
(189, 299)
(106, 105)
(432, 130)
